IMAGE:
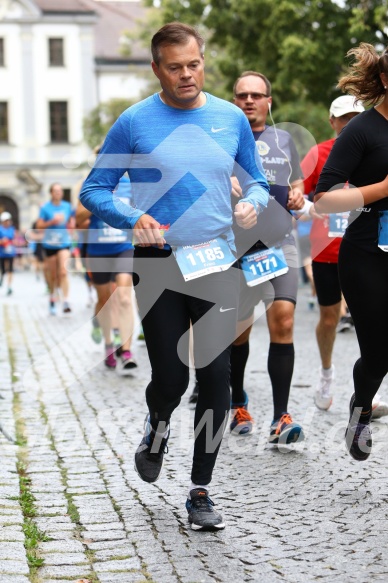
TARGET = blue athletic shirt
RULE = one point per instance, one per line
(179, 162)
(281, 164)
(104, 240)
(9, 249)
(56, 236)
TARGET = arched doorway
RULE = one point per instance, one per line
(8, 204)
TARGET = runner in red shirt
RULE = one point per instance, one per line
(324, 252)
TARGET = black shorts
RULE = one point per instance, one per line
(327, 284)
(102, 270)
(51, 252)
(6, 264)
(39, 252)
(284, 287)
(83, 248)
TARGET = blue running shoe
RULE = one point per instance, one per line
(285, 430)
(53, 308)
(358, 434)
(149, 455)
(202, 515)
(242, 420)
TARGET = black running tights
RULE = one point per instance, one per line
(166, 323)
(364, 282)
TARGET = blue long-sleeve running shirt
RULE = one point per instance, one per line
(179, 162)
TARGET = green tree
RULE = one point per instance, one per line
(97, 123)
(300, 45)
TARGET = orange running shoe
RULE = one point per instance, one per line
(242, 420)
(285, 430)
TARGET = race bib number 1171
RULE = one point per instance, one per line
(263, 265)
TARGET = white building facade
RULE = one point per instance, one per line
(50, 79)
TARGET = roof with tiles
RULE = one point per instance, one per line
(72, 6)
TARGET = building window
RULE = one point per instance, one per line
(3, 121)
(56, 52)
(58, 121)
(2, 60)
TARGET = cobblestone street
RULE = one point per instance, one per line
(73, 508)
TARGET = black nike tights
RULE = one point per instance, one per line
(364, 282)
(167, 305)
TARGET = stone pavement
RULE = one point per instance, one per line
(72, 507)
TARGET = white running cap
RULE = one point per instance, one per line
(5, 216)
(345, 104)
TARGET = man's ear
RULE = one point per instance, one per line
(155, 69)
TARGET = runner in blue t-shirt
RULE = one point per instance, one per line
(56, 217)
(7, 249)
(180, 148)
(109, 260)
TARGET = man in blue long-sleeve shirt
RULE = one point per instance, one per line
(180, 147)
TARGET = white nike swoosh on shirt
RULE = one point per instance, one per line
(214, 130)
(226, 309)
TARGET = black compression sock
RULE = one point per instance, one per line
(280, 368)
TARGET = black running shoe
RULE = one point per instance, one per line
(194, 395)
(149, 455)
(358, 436)
(202, 515)
(127, 360)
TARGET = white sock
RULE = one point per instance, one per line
(194, 486)
(327, 373)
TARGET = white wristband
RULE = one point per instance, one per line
(306, 208)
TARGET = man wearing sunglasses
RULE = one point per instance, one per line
(270, 266)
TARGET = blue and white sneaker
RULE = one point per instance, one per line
(149, 455)
(202, 515)
(284, 430)
(242, 420)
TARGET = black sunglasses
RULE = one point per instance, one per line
(255, 96)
